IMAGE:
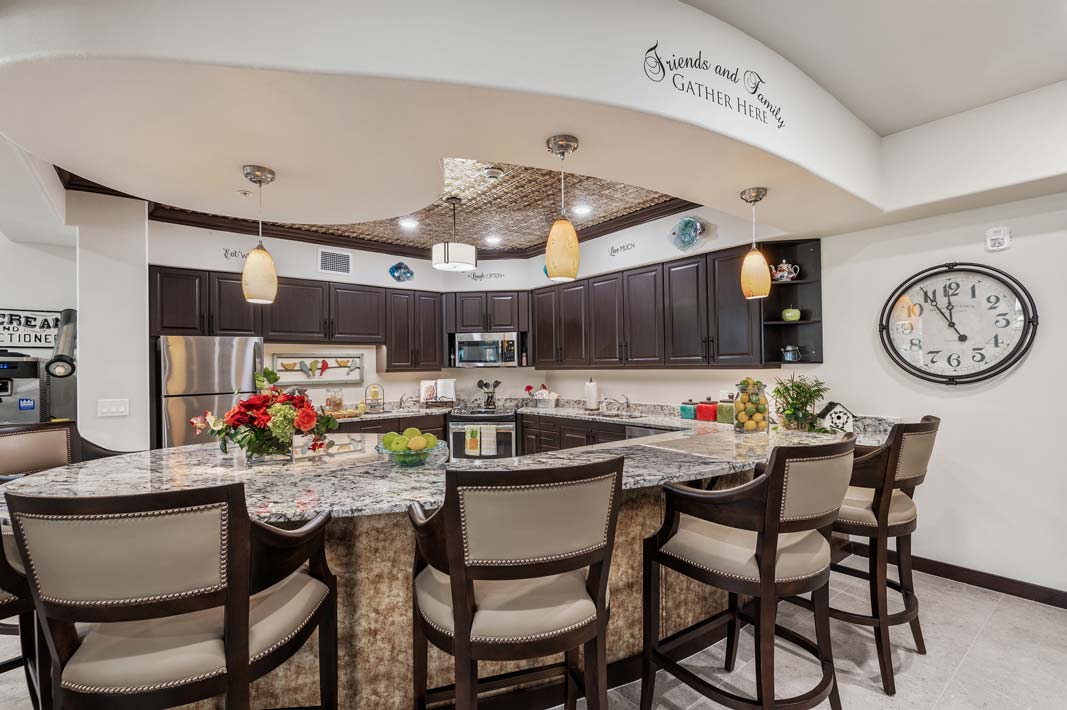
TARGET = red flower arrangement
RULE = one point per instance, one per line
(265, 423)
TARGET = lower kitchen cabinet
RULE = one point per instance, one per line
(549, 433)
(427, 424)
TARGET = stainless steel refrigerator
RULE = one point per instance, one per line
(200, 374)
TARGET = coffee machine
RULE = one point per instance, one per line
(20, 388)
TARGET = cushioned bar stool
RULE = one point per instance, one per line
(15, 602)
(29, 448)
(158, 600)
(514, 566)
(879, 506)
(768, 539)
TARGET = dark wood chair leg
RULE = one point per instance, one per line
(46, 690)
(419, 650)
(328, 653)
(570, 697)
(27, 631)
(466, 680)
(765, 617)
(907, 583)
(821, 601)
(733, 633)
(596, 671)
(879, 561)
(651, 628)
(238, 695)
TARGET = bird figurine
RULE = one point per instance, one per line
(305, 369)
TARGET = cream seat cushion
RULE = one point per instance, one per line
(732, 551)
(11, 551)
(136, 656)
(857, 508)
(510, 611)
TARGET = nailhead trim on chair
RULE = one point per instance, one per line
(530, 560)
(224, 543)
(513, 639)
(30, 432)
(896, 473)
(785, 487)
(292, 634)
(737, 576)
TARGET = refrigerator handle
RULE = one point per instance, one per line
(257, 355)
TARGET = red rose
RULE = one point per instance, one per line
(256, 401)
(260, 419)
(299, 401)
(306, 419)
(236, 417)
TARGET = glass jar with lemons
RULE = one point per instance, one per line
(751, 407)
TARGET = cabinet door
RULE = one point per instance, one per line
(573, 313)
(229, 313)
(470, 312)
(429, 343)
(573, 436)
(605, 320)
(602, 437)
(299, 313)
(734, 320)
(502, 311)
(547, 441)
(399, 330)
(643, 293)
(357, 314)
(685, 316)
(177, 301)
(545, 328)
(529, 442)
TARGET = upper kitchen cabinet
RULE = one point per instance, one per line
(605, 325)
(734, 321)
(470, 312)
(573, 317)
(643, 316)
(300, 312)
(685, 316)
(413, 339)
(428, 338)
(487, 312)
(357, 314)
(228, 312)
(545, 321)
(177, 301)
(502, 310)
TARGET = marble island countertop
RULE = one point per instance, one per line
(365, 482)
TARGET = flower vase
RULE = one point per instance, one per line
(283, 454)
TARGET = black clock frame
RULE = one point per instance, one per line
(1020, 349)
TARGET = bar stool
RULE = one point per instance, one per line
(29, 448)
(158, 600)
(514, 566)
(879, 506)
(15, 602)
(768, 539)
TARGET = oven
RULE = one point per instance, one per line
(487, 350)
(482, 435)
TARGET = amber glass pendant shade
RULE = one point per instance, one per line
(562, 253)
(755, 275)
(259, 278)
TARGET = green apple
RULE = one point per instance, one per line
(790, 313)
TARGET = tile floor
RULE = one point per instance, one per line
(986, 651)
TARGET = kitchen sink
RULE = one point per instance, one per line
(620, 415)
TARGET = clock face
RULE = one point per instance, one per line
(958, 323)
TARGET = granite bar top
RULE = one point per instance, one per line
(364, 482)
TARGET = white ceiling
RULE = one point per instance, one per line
(901, 63)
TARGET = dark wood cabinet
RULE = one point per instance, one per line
(734, 320)
(300, 312)
(545, 304)
(413, 331)
(550, 433)
(573, 315)
(228, 311)
(643, 316)
(573, 436)
(605, 320)
(470, 312)
(427, 336)
(529, 442)
(502, 311)
(603, 436)
(685, 315)
(357, 314)
(487, 312)
(178, 301)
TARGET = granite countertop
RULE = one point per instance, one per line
(367, 483)
(398, 414)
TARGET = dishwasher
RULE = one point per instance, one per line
(636, 432)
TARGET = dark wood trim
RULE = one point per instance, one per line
(79, 184)
(977, 578)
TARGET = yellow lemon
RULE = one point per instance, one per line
(742, 417)
(757, 417)
(416, 443)
(761, 425)
(744, 398)
(750, 425)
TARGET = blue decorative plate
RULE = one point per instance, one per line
(401, 272)
(687, 233)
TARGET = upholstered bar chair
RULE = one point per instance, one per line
(768, 539)
(31, 448)
(514, 566)
(158, 600)
(15, 602)
(879, 505)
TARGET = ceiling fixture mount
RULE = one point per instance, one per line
(755, 273)
(562, 254)
(259, 277)
(408, 223)
(453, 256)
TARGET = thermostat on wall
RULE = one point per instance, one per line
(997, 238)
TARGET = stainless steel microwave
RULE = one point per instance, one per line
(487, 350)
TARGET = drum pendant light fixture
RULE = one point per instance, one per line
(755, 273)
(562, 254)
(453, 256)
(259, 278)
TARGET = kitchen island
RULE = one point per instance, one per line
(370, 541)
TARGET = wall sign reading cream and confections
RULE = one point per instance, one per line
(29, 329)
(746, 90)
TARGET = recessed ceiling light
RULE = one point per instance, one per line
(581, 210)
(409, 223)
(492, 239)
(493, 173)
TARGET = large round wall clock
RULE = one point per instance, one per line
(958, 323)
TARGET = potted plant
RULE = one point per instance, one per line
(795, 401)
(264, 424)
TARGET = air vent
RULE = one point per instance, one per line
(335, 262)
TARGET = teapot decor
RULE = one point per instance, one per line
(785, 271)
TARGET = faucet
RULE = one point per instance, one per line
(624, 405)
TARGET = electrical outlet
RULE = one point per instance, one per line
(997, 238)
(112, 407)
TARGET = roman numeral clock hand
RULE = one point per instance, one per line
(959, 336)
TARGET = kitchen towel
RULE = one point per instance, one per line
(488, 440)
(471, 443)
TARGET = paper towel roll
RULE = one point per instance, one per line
(592, 395)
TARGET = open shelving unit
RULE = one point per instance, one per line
(804, 292)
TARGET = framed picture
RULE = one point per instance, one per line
(311, 369)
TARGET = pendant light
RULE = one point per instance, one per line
(259, 278)
(453, 256)
(561, 252)
(755, 273)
